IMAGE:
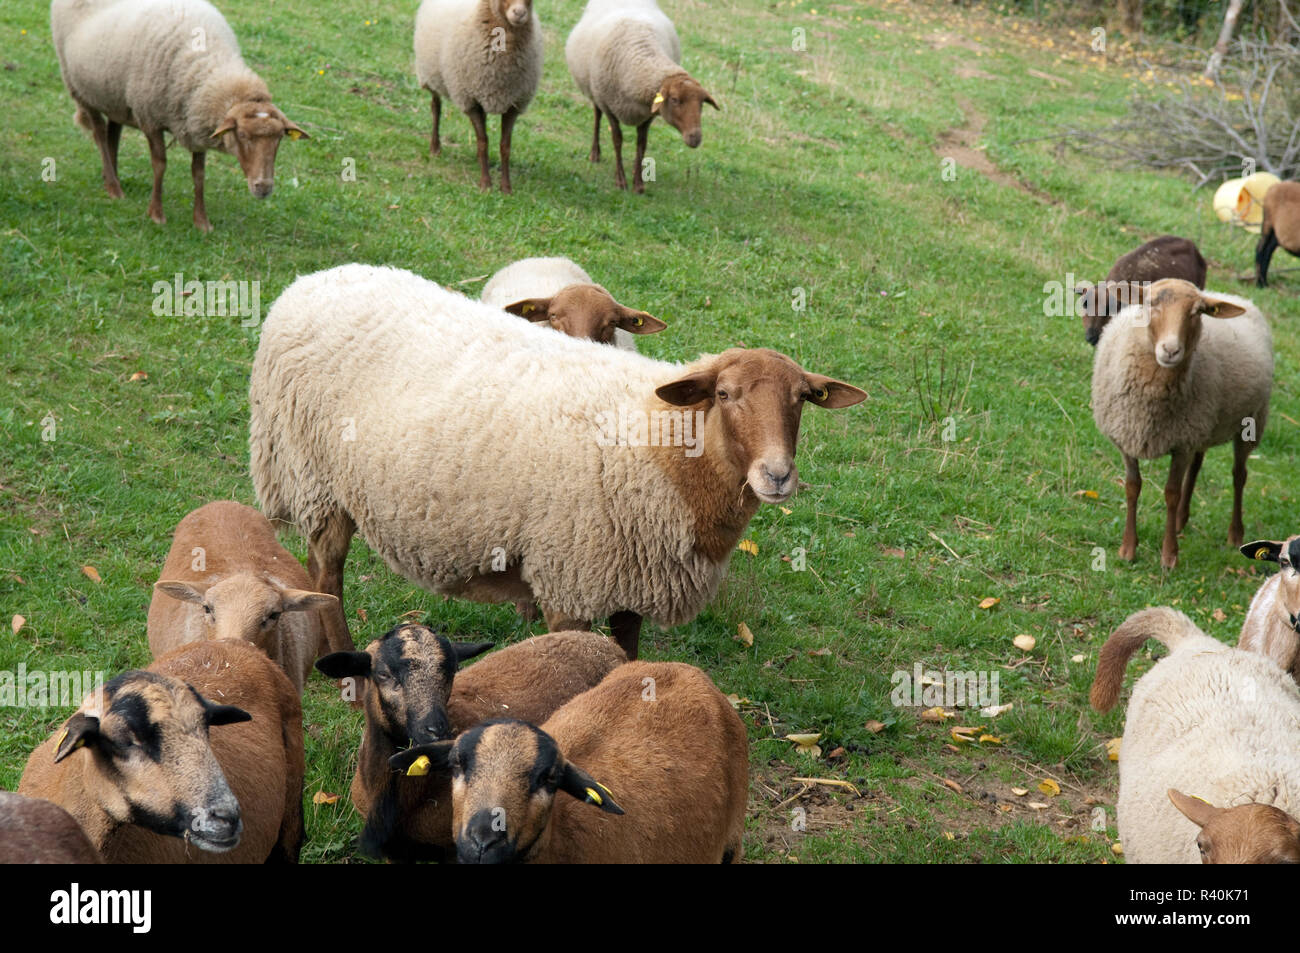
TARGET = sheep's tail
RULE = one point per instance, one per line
(1170, 626)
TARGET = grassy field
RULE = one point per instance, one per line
(974, 471)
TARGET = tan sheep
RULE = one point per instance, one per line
(1280, 226)
(406, 687)
(35, 831)
(155, 772)
(655, 748)
(226, 577)
(1272, 626)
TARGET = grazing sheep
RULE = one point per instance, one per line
(1273, 620)
(1210, 720)
(1166, 382)
(433, 436)
(167, 66)
(556, 291)
(486, 57)
(226, 577)
(655, 747)
(154, 772)
(35, 831)
(1281, 226)
(1165, 257)
(624, 55)
(407, 674)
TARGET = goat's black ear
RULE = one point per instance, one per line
(80, 731)
(466, 650)
(226, 715)
(437, 755)
(584, 787)
(344, 665)
(1264, 549)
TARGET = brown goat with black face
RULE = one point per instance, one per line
(36, 831)
(1165, 257)
(154, 772)
(651, 766)
(410, 818)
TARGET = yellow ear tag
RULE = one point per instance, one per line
(419, 767)
(62, 738)
(593, 797)
(529, 309)
(295, 134)
(1261, 552)
(638, 321)
(823, 393)
(659, 98)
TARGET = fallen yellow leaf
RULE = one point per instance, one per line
(989, 603)
(949, 835)
(937, 714)
(744, 635)
(1025, 643)
(91, 573)
(1049, 787)
(990, 740)
(1020, 792)
(1117, 848)
(1112, 749)
(994, 710)
(786, 510)
(18, 623)
(139, 376)
(748, 546)
(320, 797)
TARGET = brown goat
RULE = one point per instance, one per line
(1246, 834)
(35, 831)
(149, 766)
(1165, 257)
(1280, 226)
(410, 818)
(226, 577)
(654, 742)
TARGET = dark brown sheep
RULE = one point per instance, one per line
(1165, 257)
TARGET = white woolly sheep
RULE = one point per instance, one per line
(556, 291)
(486, 57)
(655, 747)
(456, 414)
(1272, 626)
(167, 66)
(1166, 382)
(226, 577)
(1210, 720)
(1280, 226)
(1165, 257)
(149, 766)
(624, 55)
(410, 696)
(35, 831)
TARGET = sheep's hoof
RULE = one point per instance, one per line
(594, 157)
(113, 189)
(435, 148)
(639, 188)
(506, 189)
(1169, 560)
(203, 225)
(485, 185)
(1128, 553)
(158, 216)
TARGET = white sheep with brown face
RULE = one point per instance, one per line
(1272, 625)
(1181, 372)
(226, 577)
(1246, 834)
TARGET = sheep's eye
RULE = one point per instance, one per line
(675, 101)
(207, 608)
(723, 395)
(273, 616)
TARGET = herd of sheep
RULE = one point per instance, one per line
(544, 462)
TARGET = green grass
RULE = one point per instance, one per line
(821, 172)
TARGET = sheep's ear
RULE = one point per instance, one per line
(1194, 809)
(1218, 308)
(830, 393)
(1265, 549)
(344, 665)
(709, 99)
(584, 787)
(534, 309)
(467, 650)
(226, 715)
(638, 322)
(81, 730)
(227, 125)
(293, 130)
(688, 390)
(298, 600)
(419, 760)
(184, 591)
(657, 103)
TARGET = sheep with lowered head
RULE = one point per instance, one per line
(226, 577)
(1165, 257)
(413, 693)
(167, 66)
(556, 291)
(1216, 723)
(1167, 381)
(457, 413)
(649, 767)
(486, 57)
(625, 57)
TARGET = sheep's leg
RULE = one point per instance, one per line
(327, 551)
(435, 143)
(595, 138)
(479, 119)
(114, 139)
(157, 158)
(1178, 463)
(107, 145)
(1132, 489)
(642, 133)
(625, 626)
(1240, 451)
(507, 127)
(1185, 507)
(616, 136)
(1263, 254)
(559, 622)
(197, 163)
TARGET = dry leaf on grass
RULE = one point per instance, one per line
(989, 602)
(1036, 806)
(17, 623)
(748, 546)
(937, 714)
(1117, 849)
(320, 797)
(139, 376)
(361, 614)
(952, 784)
(1049, 787)
(821, 651)
(806, 743)
(1090, 494)
(992, 711)
(1112, 749)
(744, 635)
(1076, 659)
(1025, 643)
(990, 740)
(1218, 615)
(875, 727)
(91, 573)
(1020, 792)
